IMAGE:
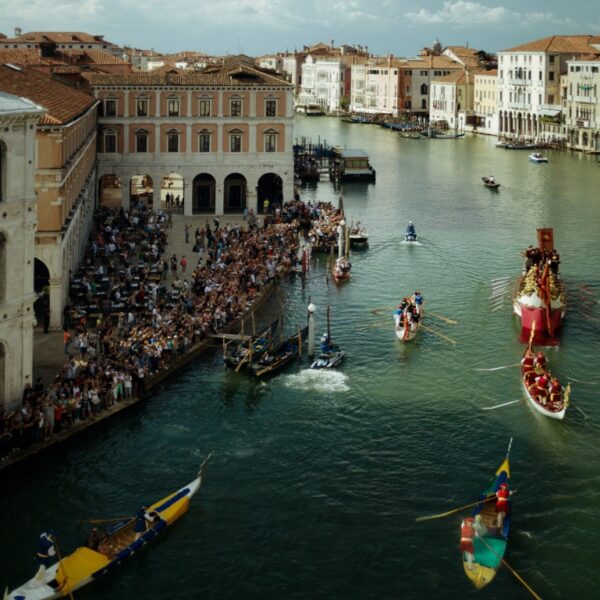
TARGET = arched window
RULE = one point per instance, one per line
(204, 138)
(141, 140)
(424, 89)
(270, 140)
(172, 140)
(235, 140)
(110, 141)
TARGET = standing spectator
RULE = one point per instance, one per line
(66, 340)
(183, 264)
(174, 265)
(187, 233)
(46, 318)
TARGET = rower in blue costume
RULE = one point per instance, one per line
(410, 230)
(325, 347)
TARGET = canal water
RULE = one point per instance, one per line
(317, 477)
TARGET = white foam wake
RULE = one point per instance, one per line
(318, 380)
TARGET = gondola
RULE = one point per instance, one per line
(247, 351)
(490, 182)
(406, 331)
(121, 542)
(550, 403)
(278, 358)
(331, 354)
(490, 545)
(330, 359)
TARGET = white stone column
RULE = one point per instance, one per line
(219, 194)
(252, 111)
(252, 148)
(126, 106)
(126, 139)
(157, 107)
(125, 195)
(189, 103)
(56, 302)
(188, 193)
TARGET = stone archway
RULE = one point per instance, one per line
(203, 194)
(234, 200)
(171, 192)
(41, 286)
(141, 189)
(270, 187)
(109, 191)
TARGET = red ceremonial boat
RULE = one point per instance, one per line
(540, 296)
(543, 391)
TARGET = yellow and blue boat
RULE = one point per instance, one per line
(121, 542)
(490, 544)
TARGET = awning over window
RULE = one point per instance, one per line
(550, 112)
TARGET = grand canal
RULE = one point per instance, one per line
(316, 478)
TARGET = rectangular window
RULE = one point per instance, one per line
(551, 59)
(236, 108)
(550, 98)
(172, 142)
(235, 142)
(142, 107)
(539, 75)
(110, 108)
(110, 143)
(423, 73)
(204, 108)
(141, 142)
(173, 107)
(551, 76)
(204, 142)
(271, 108)
(271, 142)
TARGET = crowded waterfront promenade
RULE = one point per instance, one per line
(151, 291)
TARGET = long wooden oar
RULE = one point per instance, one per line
(441, 318)
(100, 521)
(501, 405)
(521, 580)
(438, 334)
(454, 510)
(499, 368)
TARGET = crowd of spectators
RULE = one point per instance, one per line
(131, 316)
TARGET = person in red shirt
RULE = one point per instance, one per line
(502, 505)
(540, 361)
(555, 390)
(541, 388)
(466, 540)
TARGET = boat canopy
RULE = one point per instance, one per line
(489, 553)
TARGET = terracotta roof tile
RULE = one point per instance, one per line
(578, 44)
(63, 102)
(457, 77)
(60, 37)
(33, 56)
(229, 75)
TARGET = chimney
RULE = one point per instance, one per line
(17, 31)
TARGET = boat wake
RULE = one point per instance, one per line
(415, 243)
(318, 380)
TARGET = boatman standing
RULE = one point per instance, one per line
(502, 506)
(45, 553)
(418, 301)
(467, 532)
(410, 229)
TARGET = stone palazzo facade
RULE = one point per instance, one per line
(18, 220)
(220, 140)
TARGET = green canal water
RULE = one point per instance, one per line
(317, 478)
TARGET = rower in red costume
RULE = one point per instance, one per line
(541, 388)
(527, 362)
(555, 390)
(540, 361)
(467, 533)
(502, 506)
